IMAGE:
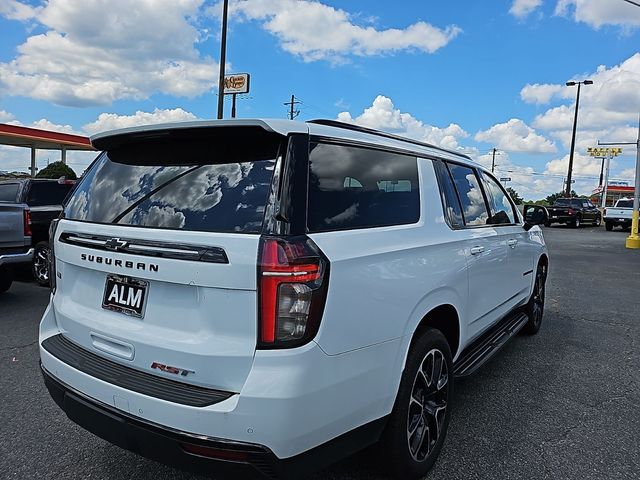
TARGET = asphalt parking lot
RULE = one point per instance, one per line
(564, 404)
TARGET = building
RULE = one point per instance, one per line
(615, 191)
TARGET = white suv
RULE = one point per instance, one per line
(273, 295)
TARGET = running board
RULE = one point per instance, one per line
(480, 351)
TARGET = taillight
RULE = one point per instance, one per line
(604, 212)
(293, 276)
(27, 223)
(571, 212)
(52, 256)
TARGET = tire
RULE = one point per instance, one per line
(422, 408)
(547, 224)
(598, 221)
(608, 226)
(6, 279)
(535, 306)
(576, 222)
(40, 264)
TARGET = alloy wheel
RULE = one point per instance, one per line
(427, 405)
(537, 309)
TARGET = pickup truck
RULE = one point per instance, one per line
(574, 212)
(15, 234)
(41, 201)
(619, 214)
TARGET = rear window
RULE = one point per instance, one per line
(562, 202)
(625, 204)
(355, 187)
(200, 188)
(47, 193)
(8, 192)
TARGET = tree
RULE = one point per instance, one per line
(57, 170)
(514, 195)
(554, 196)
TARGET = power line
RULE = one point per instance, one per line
(632, 2)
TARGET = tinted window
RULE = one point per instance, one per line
(625, 204)
(352, 187)
(576, 203)
(8, 192)
(47, 193)
(499, 203)
(470, 194)
(227, 197)
(562, 201)
(453, 210)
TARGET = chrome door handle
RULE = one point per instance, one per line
(512, 242)
(476, 250)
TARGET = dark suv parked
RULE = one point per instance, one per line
(43, 199)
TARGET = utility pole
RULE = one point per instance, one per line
(293, 113)
(573, 135)
(493, 162)
(223, 59)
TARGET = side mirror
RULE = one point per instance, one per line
(534, 215)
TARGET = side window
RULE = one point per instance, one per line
(474, 207)
(355, 187)
(8, 192)
(499, 203)
(453, 210)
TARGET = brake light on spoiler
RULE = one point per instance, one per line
(293, 276)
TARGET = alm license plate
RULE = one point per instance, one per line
(125, 294)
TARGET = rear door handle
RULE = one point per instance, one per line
(476, 250)
(512, 242)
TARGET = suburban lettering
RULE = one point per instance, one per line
(152, 267)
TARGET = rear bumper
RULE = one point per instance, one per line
(159, 443)
(171, 447)
(16, 258)
(618, 221)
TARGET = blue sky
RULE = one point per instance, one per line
(464, 74)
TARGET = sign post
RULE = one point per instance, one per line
(235, 84)
(633, 240)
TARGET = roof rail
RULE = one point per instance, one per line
(358, 128)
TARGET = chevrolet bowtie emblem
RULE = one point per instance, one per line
(115, 244)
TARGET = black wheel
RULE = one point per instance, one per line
(40, 265)
(418, 423)
(577, 222)
(535, 307)
(598, 221)
(547, 224)
(6, 279)
(608, 226)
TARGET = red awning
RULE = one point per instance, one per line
(42, 139)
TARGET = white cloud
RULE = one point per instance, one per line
(98, 51)
(6, 116)
(14, 10)
(539, 94)
(383, 115)
(315, 31)
(516, 136)
(522, 8)
(112, 121)
(582, 165)
(597, 13)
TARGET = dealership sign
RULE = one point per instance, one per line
(236, 83)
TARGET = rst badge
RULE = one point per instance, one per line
(125, 295)
(169, 369)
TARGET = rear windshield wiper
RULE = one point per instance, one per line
(153, 192)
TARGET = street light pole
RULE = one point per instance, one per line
(573, 135)
(223, 59)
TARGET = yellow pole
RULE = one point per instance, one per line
(633, 241)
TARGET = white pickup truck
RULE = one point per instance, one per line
(619, 214)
